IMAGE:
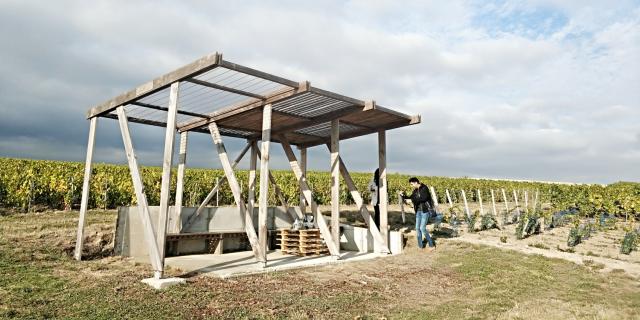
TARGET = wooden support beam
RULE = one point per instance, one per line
(245, 106)
(141, 198)
(215, 189)
(358, 133)
(264, 180)
(251, 186)
(319, 218)
(362, 207)
(199, 66)
(258, 74)
(155, 107)
(167, 162)
(182, 162)
(85, 188)
(316, 120)
(335, 181)
(149, 122)
(224, 88)
(382, 189)
(235, 189)
(303, 168)
(526, 202)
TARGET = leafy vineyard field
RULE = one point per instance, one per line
(57, 185)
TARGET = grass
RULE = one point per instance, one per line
(457, 281)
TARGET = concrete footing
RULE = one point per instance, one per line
(163, 282)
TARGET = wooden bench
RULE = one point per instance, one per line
(213, 239)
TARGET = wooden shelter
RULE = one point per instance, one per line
(221, 98)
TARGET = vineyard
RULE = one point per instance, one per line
(25, 184)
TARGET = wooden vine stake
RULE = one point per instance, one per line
(480, 201)
(515, 198)
(466, 205)
(506, 201)
(493, 203)
(401, 203)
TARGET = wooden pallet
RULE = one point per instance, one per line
(306, 242)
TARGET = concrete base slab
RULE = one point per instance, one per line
(243, 263)
(164, 282)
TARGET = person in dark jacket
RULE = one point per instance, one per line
(374, 188)
(423, 205)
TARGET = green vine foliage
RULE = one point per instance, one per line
(630, 242)
(489, 221)
(58, 185)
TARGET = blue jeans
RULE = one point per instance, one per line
(421, 228)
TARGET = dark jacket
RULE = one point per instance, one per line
(421, 199)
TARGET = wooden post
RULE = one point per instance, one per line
(319, 218)
(466, 205)
(264, 180)
(493, 203)
(449, 199)
(515, 199)
(480, 200)
(143, 207)
(401, 204)
(382, 190)
(506, 201)
(335, 181)
(364, 211)
(303, 167)
(253, 161)
(85, 188)
(182, 161)
(526, 202)
(167, 162)
(235, 189)
(434, 196)
(450, 203)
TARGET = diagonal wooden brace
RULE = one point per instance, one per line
(322, 223)
(215, 189)
(235, 189)
(280, 194)
(143, 206)
(364, 211)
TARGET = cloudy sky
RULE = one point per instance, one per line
(544, 90)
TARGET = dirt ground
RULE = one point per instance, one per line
(460, 280)
(601, 249)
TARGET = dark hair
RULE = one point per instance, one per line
(414, 179)
(376, 177)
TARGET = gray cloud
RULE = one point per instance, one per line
(556, 103)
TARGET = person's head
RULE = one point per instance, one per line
(415, 183)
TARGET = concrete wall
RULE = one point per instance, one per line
(360, 240)
(130, 241)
